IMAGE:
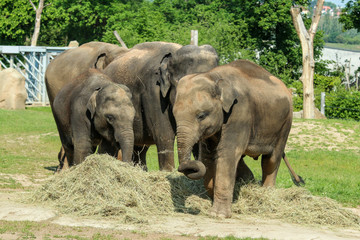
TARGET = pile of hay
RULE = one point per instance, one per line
(294, 204)
(104, 186)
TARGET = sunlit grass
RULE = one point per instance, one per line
(30, 144)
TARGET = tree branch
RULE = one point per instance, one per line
(299, 25)
(316, 18)
(33, 5)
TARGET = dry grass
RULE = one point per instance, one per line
(103, 186)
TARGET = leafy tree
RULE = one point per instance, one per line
(258, 30)
(351, 15)
(16, 19)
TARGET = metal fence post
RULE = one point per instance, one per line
(322, 110)
(31, 62)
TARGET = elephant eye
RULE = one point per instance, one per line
(110, 118)
(201, 116)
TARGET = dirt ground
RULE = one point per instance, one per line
(181, 226)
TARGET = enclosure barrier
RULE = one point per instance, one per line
(31, 62)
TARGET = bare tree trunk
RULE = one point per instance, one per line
(38, 11)
(307, 45)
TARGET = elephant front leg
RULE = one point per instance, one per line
(229, 153)
(165, 149)
(223, 188)
(82, 149)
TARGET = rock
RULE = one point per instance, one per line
(13, 93)
(73, 43)
(318, 114)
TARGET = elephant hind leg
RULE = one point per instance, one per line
(67, 157)
(243, 172)
(270, 166)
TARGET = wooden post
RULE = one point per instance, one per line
(194, 37)
(119, 39)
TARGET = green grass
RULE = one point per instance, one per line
(29, 140)
(30, 144)
(343, 46)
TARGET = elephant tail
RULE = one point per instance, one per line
(297, 180)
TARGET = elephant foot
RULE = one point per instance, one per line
(221, 209)
(220, 213)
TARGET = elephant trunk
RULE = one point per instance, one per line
(126, 141)
(186, 140)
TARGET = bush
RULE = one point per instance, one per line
(343, 104)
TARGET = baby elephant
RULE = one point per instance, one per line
(92, 109)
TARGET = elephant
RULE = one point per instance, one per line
(151, 71)
(92, 108)
(234, 110)
(69, 64)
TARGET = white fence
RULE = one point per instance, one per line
(31, 62)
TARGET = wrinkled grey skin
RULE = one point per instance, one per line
(234, 110)
(151, 71)
(90, 109)
(71, 63)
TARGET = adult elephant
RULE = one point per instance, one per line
(69, 64)
(151, 71)
(234, 110)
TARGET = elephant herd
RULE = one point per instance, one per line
(108, 97)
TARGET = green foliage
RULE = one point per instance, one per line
(326, 83)
(15, 19)
(334, 31)
(351, 15)
(343, 104)
(261, 31)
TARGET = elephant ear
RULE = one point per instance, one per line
(228, 95)
(165, 74)
(100, 62)
(91, 104)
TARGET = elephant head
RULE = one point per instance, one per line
(186, 60)
(112, 113)
(203, 102)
